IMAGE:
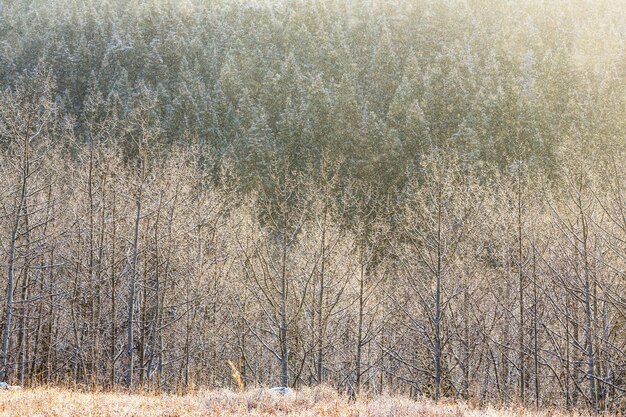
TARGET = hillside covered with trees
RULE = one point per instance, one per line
(385, 196)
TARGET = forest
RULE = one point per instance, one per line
(414, 197)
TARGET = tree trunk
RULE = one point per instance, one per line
(130, 344)
(284, 348)
(359, 339)
(320, 308)
(593, 395)
(437, 318)
(11, 263)
(521, 347)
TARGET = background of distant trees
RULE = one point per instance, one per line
(416, 197)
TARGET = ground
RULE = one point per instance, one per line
(253, 403)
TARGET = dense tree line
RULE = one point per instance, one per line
(378, 84)
(411, 197)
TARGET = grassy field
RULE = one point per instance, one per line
(309, 402)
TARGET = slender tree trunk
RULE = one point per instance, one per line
(90, 267)
(24, 319)
(154, 322)
(96, 350)
(437, 318)
(320, 307)
(521, 347)
(535, 329)
(130, 345)
(113, 340)
(35, 368)
(187, 342)
(284, 348)
(143, 320)
(593, 395)
(359, 338)
(163, 293)
(51, 315)
(466, 341)
(568, 356)
(11, 262)
(22, 341)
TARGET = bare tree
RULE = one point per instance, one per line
(27, 121)
(437, 217)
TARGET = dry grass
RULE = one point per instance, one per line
(308, 402)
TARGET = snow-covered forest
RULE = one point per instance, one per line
(417, 197)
